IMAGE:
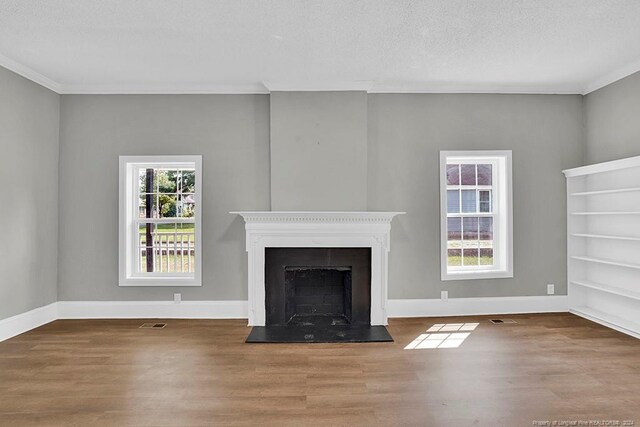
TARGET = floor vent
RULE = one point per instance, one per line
(153, 325)
(502, 321)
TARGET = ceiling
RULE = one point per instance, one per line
(239, 46)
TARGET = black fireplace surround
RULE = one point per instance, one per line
(318, 295)
(307, 282)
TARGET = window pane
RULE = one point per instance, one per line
(142, 206)
(145, 234)
(468, 174)
(470, 256)
(171, 248)
(484, 174)
(468, 201)
(145, 246)
(167, 205)
(486, 256)
(453, 174)
(166, 180)
(485, 201)
(470, 228)
(486, 228)
(145, 182)
(453, 201)
(186, 206)
(454, 229)
(187, 181)
(454, 257)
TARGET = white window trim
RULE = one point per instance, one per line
(503, 206)
(127, 277)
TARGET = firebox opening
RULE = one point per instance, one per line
(318, 294)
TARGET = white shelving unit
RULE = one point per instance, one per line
(603, 243)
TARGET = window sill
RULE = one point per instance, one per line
(476, 275)
(159, 282)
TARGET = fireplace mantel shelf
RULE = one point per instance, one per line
(313, 230)
(317, 217)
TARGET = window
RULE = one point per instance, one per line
(476, 215)
(160, 213)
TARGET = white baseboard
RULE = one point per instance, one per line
(476, 306)
(20, 323)
(16, 325)
(152, 309)
(613, 322)
(238, 309)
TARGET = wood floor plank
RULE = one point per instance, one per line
(200, 372)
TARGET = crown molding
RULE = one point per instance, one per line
(338, 86)
(269, 86)
(29, 73)
(475, 89)
(612, 77)
(400, 88)
(162, 89)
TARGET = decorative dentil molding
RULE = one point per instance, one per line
(266, 217)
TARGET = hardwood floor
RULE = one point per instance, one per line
(200, 372)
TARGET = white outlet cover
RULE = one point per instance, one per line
(444, 295)
(551, 289)
(177, 298)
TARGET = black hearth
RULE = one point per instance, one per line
(318, 295)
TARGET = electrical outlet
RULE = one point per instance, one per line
(551, 289)
(177, 298)
(444, 295)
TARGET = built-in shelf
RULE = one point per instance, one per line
(607, 288)
(606, 261)
(607, 213)
(612, 191)
(601, 232)
(604, 236)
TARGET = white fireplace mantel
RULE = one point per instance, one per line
(318, 229)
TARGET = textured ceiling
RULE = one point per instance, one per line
(563, 46)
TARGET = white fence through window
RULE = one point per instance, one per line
(169, 252)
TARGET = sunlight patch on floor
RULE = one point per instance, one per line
(449, 335)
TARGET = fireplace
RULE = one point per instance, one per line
(305, 286)
(317, 291)
(315, 247)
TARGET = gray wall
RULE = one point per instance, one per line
(319, 151)
(400, 172)
(231, 132)
(388, 147)
(612, 121)
(406, 133)
(29, 120)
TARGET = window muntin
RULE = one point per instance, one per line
(476, 215)
(160, 220)
(470, 214)
(162, 194)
